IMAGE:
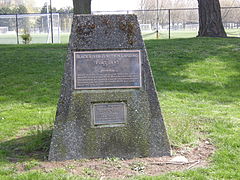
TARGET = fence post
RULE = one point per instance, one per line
(51, 20)
(17, 29)
(157, 21)
(169, 23)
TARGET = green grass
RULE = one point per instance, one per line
(64, 37)
(36, 38)
(174, 34)
(198, 83)
(199, 87)
(8, 39)
(30, 79)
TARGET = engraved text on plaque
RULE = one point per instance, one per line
(107, 69)
(109, 114)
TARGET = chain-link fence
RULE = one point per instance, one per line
(161, 23)
(39, 26)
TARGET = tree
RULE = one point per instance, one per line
(82, 6)
(46, 9)
(43, 22)
(11, 22)
(210, 20)
(5, 10)
(149, 16)
(20, 10)
(29, 4)
(6, 22)
(65, 18)
(23, 23)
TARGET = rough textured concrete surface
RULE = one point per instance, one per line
(144, 134)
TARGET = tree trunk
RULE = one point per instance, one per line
(82, 6)
(210, 20)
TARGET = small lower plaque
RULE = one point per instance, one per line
(109, 114)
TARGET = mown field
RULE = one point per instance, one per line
(198, 84)
(64, 37)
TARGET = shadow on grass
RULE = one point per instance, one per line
(26, 148)
(172, 59)
(33, 73)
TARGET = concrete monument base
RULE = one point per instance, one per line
(108, 105)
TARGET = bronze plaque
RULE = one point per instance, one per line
(109, 114)
(107, 69)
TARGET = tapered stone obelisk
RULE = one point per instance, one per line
(108, 105)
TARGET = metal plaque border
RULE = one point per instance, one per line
(115, 87)
(93, 125)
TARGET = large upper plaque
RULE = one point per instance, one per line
(107, 69)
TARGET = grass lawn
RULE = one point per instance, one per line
(174, 34)
(198, 83)
(64, 37)
(36, 38)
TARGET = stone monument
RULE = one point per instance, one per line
(108, 105)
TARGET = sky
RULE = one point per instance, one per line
(97, 5)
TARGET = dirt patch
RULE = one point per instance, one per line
(117, 168)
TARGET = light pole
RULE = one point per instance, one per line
(157, 21)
